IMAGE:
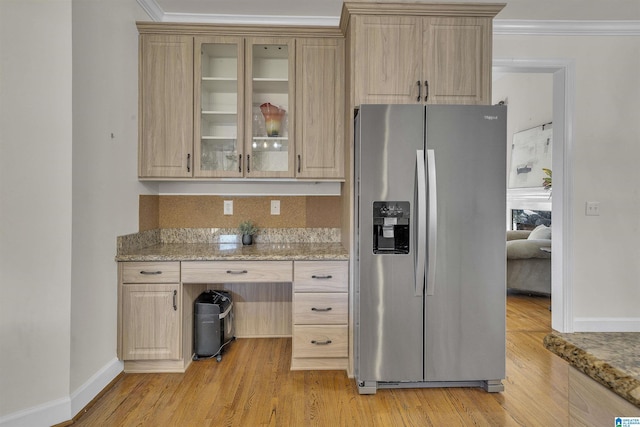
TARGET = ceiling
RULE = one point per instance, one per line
(327, 12)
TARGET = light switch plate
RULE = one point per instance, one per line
(228, 207)
(275, 207)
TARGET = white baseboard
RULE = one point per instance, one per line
(46, 414)
(64, 409)
(90, 389)
(606, 324)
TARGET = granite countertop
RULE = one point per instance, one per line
(610, 358)
(219, 244)
(235, 251)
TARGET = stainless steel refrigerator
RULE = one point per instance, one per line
(430, 294)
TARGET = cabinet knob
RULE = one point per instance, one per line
(175, 300)
(426, 90)
(419, 91)
(248, 163)
(320, 309)
(327, 276)
(150, 273)
(189, 162)
(240, 163)
(321, 342)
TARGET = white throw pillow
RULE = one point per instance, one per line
(541, 232)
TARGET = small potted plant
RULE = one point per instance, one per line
(247, 229)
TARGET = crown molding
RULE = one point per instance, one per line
(565, 28)
(152, 9)
(500, 26)
(156, 13)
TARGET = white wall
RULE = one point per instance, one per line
(606, 289)
(35, 202)
(105, 182)
(529, 99)
(67, 190)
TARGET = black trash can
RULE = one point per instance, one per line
(212, 324)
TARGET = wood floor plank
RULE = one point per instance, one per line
(253, 386)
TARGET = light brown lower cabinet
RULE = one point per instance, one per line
(320, 315)
(156, 309)
(151, 321)
(155, 318)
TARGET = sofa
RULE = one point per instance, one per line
(529, 260)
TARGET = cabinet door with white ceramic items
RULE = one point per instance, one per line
(269, 107)
(218, 106)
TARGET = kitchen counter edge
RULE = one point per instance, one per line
(578, 349)
(237, 252)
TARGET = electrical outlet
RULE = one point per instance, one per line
(275, 207)
(592, 208)
(228, 207)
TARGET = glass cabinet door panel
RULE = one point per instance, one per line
(269, 86)
(219, 101)
(270, 154)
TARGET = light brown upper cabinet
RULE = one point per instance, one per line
(319, 108)
(219, 103)
(234, 77)
(165, 106)
(417, 53)
(270, 107)
(218, 107)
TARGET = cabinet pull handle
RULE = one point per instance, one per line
(175, 300)
(189, 162)
(419, 91)
(248, 163)
(320, 309)
(426, 90)
(328, 276)
(237, 271)
(151, 272)
(240, 163)
(320, 342)
(299, 162)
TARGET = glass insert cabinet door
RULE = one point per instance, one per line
(269, 101)
(219, 97)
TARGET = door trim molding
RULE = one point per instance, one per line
(563, 71)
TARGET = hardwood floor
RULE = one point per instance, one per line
(253, 386)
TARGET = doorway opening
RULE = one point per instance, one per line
(563, 75)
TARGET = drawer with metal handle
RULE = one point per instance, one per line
(236, 271)
(320, 341)
(321, 276)
(320, 308)
(150, 272)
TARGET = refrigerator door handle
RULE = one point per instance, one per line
(421, 223)
(433, 222)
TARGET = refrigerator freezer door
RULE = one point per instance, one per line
(389, 316)
(465, 316)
